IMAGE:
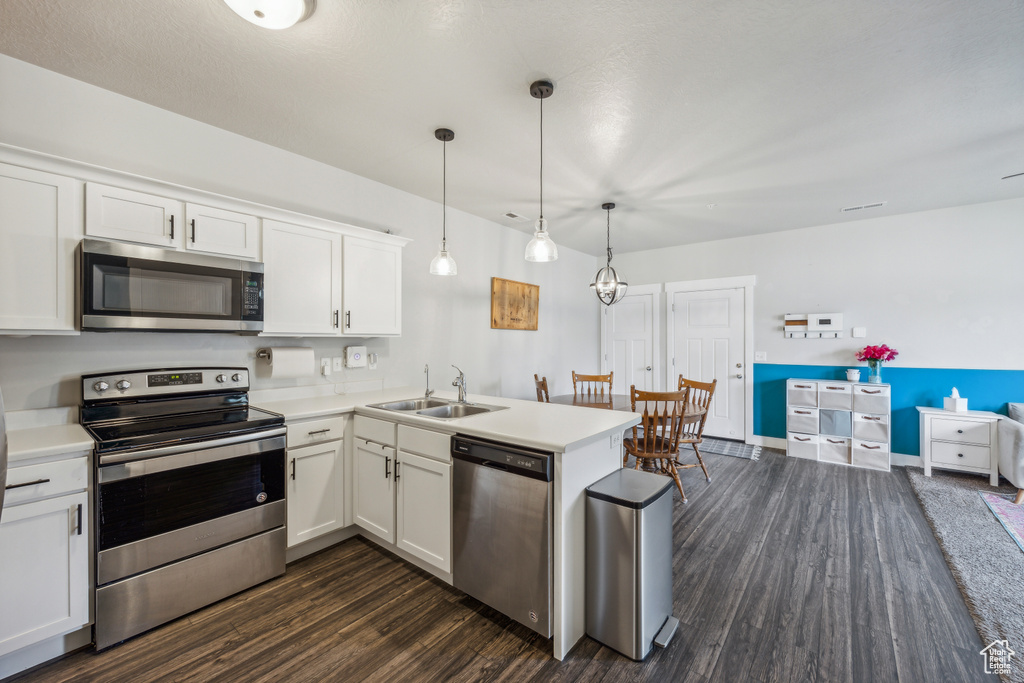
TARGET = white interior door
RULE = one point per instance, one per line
(630, 340)
(705, 342)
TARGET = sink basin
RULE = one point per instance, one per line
(412, 404)
(457, 410)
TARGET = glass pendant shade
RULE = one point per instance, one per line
(541, 248)
(443, 263)
(273, 14)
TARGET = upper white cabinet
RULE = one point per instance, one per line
(218, 231)
(372, 287)
(40, 226)
(120, 214)
(301, 279)
(132, 216)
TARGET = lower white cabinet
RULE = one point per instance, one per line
(44, 560)
(373, 467)
(316, 479)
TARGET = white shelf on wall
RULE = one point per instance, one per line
(837, 421)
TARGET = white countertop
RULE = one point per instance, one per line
(41, 442)
(545, 426)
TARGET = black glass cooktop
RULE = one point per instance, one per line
(167, 430)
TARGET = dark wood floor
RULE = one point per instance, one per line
(785, 570)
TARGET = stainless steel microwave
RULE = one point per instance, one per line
(135, 288)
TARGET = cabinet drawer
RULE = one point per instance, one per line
(315, 431)
(800, 419)
(961, 431)
(871, 427)
(802, 446)
(834, 449)
(869, 454)
(800, 393)
(869, 398)
(32, 482)
(377, 431)
(835, 395)
(434, 445)
(966, 455)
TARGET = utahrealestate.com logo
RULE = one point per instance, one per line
(997, 657)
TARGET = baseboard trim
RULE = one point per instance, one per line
(905, 460)
(767, 442)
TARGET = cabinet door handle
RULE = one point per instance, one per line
(802, 412)
(873, 419)
(293, 469)
(336, 318)
(802, 386)
(193, 231)
(27, 483)
(78, 524)
(387, 467)
(348, 320)
(836, 388)
(869, 391)
(396, 469)
(319, 431)
(870, 448)
(797, 438)
(959, 455)
(833, 441)
(172, 226)
(959, 431)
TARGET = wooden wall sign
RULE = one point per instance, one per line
(514, 305)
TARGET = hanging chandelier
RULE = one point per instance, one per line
(443, 263)
(609, 288)
(541, 248)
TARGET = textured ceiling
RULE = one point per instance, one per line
(778, 114)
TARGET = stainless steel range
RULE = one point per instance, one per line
(190, 504)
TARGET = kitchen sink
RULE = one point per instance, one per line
(412, 404)
(456, 410)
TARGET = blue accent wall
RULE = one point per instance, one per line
(911, 387)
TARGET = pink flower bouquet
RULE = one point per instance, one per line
(880, 354)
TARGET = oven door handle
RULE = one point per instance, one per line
(125, 466)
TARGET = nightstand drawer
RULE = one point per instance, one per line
(965, 455)
(962, 431)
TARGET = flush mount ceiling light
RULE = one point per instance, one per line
(609, 288)
(443, 263)
(275, 14)
(541, 248)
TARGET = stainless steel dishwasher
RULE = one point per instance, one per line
(501, 519)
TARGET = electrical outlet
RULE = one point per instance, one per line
(372, 361)
(338, 363)
(325, 367)
(760, 356)
(616, 439)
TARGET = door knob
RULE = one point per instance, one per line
(739, 365)
(648, 368)
(738, 376)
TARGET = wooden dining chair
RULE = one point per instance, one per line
(542, 389)
(591, 384)
(655, 441)
(701, 394)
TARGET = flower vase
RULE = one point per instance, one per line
(874, 371)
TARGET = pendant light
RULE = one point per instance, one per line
(443, 263)
(274, 14)
(541, 248)
(609, 288)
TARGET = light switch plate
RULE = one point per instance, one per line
(760, 356)
(859, 332)
(338, 363)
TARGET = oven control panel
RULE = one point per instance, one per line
(143, 383)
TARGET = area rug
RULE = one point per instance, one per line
(736, 449)
(1009, 515)
(985, 561)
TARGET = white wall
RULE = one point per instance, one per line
(943, 287)
(446, 320)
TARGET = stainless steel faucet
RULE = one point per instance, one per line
(426, 369)
(460, 382)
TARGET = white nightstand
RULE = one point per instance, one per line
(964, 441)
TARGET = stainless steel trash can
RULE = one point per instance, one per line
(629, 562)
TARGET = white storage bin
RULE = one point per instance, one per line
(801, 393)
(835, 395)
(834, 449)
(802, 446)
(871, 427)
(871, 454)
(871, 398)
(800, 419)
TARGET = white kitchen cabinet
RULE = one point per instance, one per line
(302, 280)
(121, 214)
(218, 231)
(44, 553)
(372, 287)
(373, 468)
(424, 507)
(316, 478)
(40, 226)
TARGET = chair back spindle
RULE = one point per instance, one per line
(542, 389)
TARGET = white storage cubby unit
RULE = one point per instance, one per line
(838, 421)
